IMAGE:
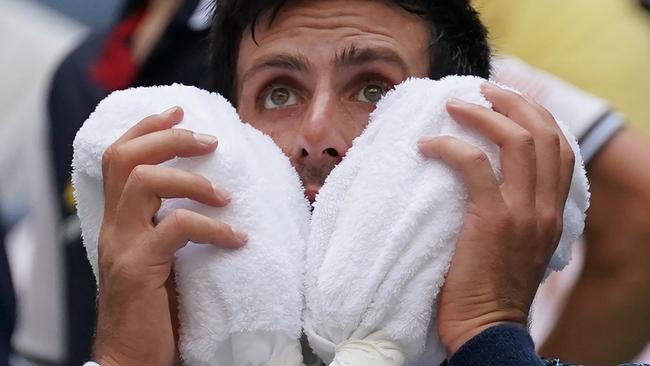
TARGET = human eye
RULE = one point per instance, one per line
(372, 92)
(278, 96)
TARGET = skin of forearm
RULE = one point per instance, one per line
(606, 318)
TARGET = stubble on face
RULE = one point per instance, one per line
(309, 50)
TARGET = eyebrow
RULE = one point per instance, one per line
(354, 55)
(292, 62)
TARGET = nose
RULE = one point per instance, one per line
(321, 138)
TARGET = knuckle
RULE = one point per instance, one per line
(568, 156)
(180, 134)
(476, 157)
(444, 142)
(504, 220)
(141, 175)
(546, 114)
(526, 225)
(221, 228)
(524, 139)
(554, 139)
(201, 182)
(126, 267)
(520, 99)
(515, 100)
(181, 217)
(548, 220)
(141, 172)
(110, 156)
(542, 111)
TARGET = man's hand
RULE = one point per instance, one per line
(136, 254)
(511, 229)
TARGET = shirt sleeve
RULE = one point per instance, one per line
(501, 345)
(591, 119)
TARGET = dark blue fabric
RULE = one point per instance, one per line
(7, 301)
(501, 345)
(181, 56)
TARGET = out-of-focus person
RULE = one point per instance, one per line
(153, 42)
(603, 47)
(7, 301)
(34, 39)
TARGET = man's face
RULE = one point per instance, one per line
(317, 72)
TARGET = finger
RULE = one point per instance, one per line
(470, 162)
(183, 226)
(155, 122)
(172, 299)
(150, 149)
(517, 149)
(567, 157)
(542, 126)
(148, 184)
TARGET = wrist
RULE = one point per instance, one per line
(463, 331)
(504, 344)
(108, 358)
(112, 354)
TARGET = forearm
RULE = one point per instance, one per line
(606, 317)
(605, 320)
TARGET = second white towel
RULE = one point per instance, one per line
(385, 226)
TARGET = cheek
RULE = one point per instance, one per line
(283, 137)
(358, 115)
(281, 127)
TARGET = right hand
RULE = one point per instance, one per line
(511, 228)
(135, 301)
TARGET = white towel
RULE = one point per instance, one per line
(236, 307)
(383, 231)
(385, 225)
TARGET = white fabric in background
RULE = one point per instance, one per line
(34, 40)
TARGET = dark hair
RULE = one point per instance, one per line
(458, 44)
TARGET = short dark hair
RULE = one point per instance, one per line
(458, 45)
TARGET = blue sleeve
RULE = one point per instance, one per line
(502, 345)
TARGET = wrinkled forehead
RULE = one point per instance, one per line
(317, 31)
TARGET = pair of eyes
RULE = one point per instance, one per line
(281, 96)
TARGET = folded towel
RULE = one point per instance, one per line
(385, 225)
(235, 307)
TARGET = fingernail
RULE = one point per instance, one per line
(221, 195)
(425, 148)
(489, 86)
(205, 139)
(457, 102)
(170, 111)
(241, 236)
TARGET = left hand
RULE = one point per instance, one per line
(511, 229)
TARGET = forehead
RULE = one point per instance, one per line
(319, 29)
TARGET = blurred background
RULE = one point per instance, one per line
(59, 58)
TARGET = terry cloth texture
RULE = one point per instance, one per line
(236, 307)
(383, 229)
(385, 225)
